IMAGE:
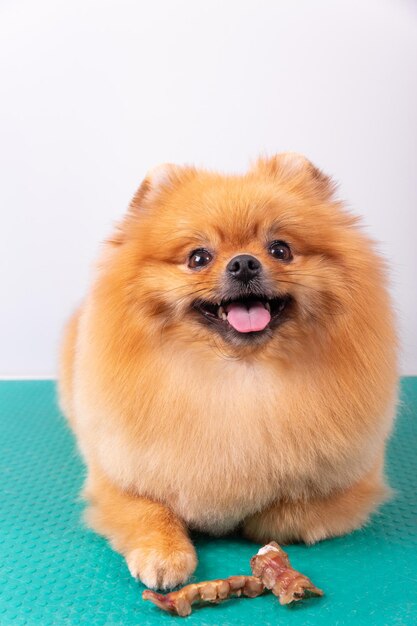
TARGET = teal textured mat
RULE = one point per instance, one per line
(54, 571)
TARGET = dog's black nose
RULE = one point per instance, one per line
(244, 267)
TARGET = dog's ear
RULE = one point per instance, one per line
(158, 181)
(296, 172)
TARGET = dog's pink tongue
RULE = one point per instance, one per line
(248, 320)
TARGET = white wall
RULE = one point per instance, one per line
(94, 92)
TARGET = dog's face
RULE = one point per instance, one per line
(244, 261)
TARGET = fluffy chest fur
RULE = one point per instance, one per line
(215, 441)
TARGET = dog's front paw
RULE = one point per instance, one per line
(159, 569)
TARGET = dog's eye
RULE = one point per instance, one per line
(199, 258)
(280, 250)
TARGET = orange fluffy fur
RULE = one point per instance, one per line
(182, 429)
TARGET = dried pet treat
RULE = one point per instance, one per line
(209, 591)
(271, 570)
(272, 566)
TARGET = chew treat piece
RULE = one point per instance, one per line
(271, 570)
(272, 566)
(214, 591)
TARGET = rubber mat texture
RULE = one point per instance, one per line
(54, 571)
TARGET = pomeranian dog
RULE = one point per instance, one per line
(233, 366)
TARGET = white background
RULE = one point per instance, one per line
(93, 93)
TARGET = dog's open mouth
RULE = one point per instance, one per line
(244, 315)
